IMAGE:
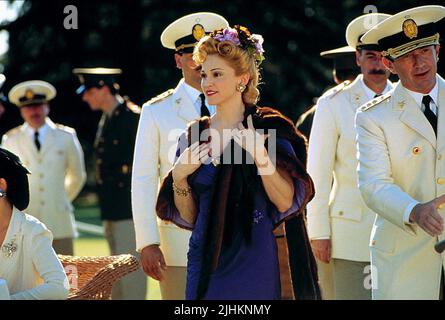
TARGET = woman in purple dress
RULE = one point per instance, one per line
(238, 175)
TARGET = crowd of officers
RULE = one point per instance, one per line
(374, 153)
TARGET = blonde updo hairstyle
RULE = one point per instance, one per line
(239, 59)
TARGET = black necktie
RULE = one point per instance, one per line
(377, 95)
(204, 109)
(429, 114)
(36, 140)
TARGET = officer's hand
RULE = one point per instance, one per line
(425, 215)
(322, 249)
(153, 262)
(190, 160)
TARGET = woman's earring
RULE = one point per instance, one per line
(241, 87)
(2, 193)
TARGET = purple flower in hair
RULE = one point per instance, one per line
(243, 38)
(228, 34)
(258, 39)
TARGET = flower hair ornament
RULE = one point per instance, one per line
(243, 38)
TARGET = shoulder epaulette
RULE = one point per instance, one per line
(160, 97)
(12, 131)
(375, 102)
(304, 115)
(133, 107)
(339, 88)
(65, 128)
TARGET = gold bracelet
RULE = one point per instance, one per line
(184, 192)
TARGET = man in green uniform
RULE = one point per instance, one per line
(114, 145)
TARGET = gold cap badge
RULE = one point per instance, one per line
(198, 31)
(29, 94)
(410, 28)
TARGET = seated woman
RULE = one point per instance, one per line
(226, 185)
(28, 262)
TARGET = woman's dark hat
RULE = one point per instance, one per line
(16, 176)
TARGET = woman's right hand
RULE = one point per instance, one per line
(190, 160)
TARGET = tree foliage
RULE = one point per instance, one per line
(125, 34)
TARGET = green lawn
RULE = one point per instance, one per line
(93, 245)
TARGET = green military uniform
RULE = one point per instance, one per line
(114, 148)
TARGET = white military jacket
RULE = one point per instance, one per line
(401, 161)
(57, 175)
(162, 121)
(337, 210)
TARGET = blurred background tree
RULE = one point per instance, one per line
(125, 34)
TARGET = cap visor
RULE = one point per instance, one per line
(33, 103)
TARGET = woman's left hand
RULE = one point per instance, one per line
(251, 140)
